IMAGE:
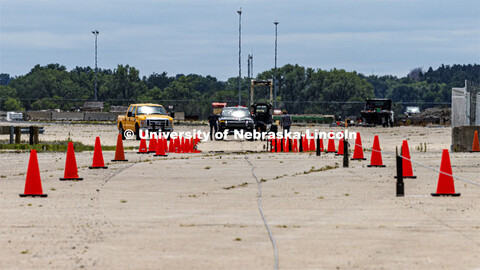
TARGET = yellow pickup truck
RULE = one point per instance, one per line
(146, 116)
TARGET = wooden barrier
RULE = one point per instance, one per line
(15, 133)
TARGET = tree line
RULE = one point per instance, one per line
(301, 90)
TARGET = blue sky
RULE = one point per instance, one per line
(179, 36)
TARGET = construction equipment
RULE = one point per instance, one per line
(378, 111)
(262, 112)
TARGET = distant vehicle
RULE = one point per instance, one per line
(263, 118)
(262, 112)
(378, 112)
(411, 110)
(14, 116)
(235, 118)
(218, 107)
(151, 117)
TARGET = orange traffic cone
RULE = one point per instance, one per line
(152, 144)
(183, 148)
(406, 163)
(331, 145)
(33, 183)
(71, 170)
(171, 147)
(358, 151)
(165, 144)
(321, 145)
(475, 144)
(294, 145)
(97, 156)
(187, 146)
(445, 186)
(160, 151)
(376, 157)
(340, 147)
(119, 152)
(177, 145)
(143, 147)
(192, 145)
(285, 147)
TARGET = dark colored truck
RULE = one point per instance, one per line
(235, 118)
(263, 117)
(378, 112)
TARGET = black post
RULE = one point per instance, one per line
(289, 144)
(345, 153)
(400, 185)
(36, 132)
(31, 134)
(281, 144)
(18, 134)
(12, 135)
(318, 147)
(300, 144)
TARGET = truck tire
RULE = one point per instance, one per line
(219, 131)
(122, 131)
(137, 132)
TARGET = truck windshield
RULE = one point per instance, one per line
(151, 110)
(235, 112)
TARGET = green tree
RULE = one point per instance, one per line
(12, 104)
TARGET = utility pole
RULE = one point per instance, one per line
(95, 32)
(250, 66)
(239, 56)
(275, 76)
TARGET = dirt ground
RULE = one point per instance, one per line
(200, 211)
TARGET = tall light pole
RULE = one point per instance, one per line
(250, 65)
(239, 56)
(95, 32)
(275, 76)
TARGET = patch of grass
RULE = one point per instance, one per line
(207, 168)
(3, 176)
(244, 184)
(123, 201)
(320, 197)
(346, 194)
(53, 189)
(24, 252)
(238, 239)
(224, 162)
(55, 146)
(325, 168)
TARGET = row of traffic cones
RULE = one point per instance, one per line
(177, 145)
(445, 186)
(33, 182)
